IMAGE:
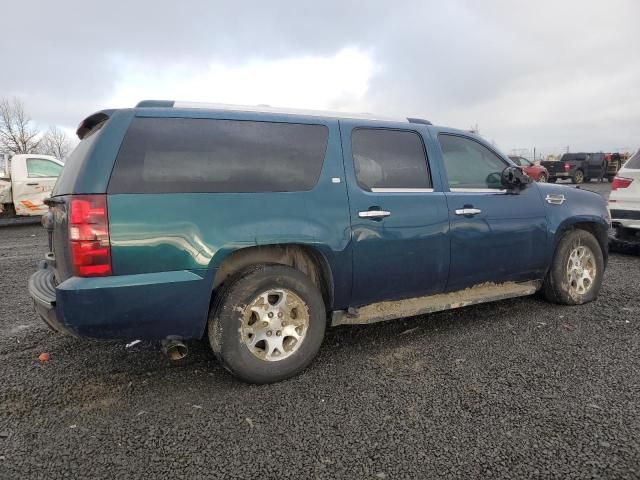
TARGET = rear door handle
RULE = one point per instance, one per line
(468, 211)
(373, 214)
(33, 184)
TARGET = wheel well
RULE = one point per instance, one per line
(306, 259)
(595, 229)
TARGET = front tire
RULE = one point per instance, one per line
(267, 323)
(575, 276)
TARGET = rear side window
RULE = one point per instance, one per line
(634, 161)
(165, 155)
(42, 168)
(389, 159)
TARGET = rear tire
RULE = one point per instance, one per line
(578, 177)
(542, 178)
(577, 269)
(267, 323)
(625, 241)
(8, 211)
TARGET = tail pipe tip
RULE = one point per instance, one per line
(174, 349)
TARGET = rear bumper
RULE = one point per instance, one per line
(559, 174)
(625, 218)
(150, 306)
(43, 293)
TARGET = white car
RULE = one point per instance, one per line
(624, 201)
(25, 181)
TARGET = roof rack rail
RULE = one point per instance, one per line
(270, 109)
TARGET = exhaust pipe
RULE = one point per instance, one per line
(174, 349)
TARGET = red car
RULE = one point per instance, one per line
(536, 172)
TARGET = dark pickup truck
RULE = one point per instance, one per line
(579, 167)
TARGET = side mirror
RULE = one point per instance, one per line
(514, 179)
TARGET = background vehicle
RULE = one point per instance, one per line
(536, 172)
(257, 226)
(579, 167)
(624, 205)
(614, 163)
(25, 181)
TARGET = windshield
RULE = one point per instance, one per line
(634, 161)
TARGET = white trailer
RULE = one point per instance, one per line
(25, 181)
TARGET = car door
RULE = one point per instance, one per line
(496, 236)
(32, 181)
(596, 164)
(399, 219)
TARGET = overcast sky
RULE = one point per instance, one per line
(548, 74)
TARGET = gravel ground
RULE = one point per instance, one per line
(514, 389)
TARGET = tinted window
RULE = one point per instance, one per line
(634, 161)
(204, 155)
(389, 159)
(470, 164)
(39, 167)
(568, 157)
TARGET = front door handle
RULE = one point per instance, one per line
(33, 184)
(468, 211)
(373, 214)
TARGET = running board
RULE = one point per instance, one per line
(411, 307)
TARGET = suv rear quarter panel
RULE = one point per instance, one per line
(195, 232)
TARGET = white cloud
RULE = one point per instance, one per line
(339, 81)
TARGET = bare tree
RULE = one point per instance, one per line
(17, 133)
(55, 142)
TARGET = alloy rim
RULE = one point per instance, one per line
(581, 270)
(274, 324)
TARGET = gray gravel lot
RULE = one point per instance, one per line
(519, 388)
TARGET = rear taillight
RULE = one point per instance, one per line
(620, 182)
(89, 236)
(567, 166)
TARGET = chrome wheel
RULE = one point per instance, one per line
(274, 324)
(581, 270)
(578, 177)
(542, 178)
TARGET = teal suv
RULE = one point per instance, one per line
(258, 228)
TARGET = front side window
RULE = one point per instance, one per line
(389, 159)
(41, 168)
(169, 155)
(470, 164)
